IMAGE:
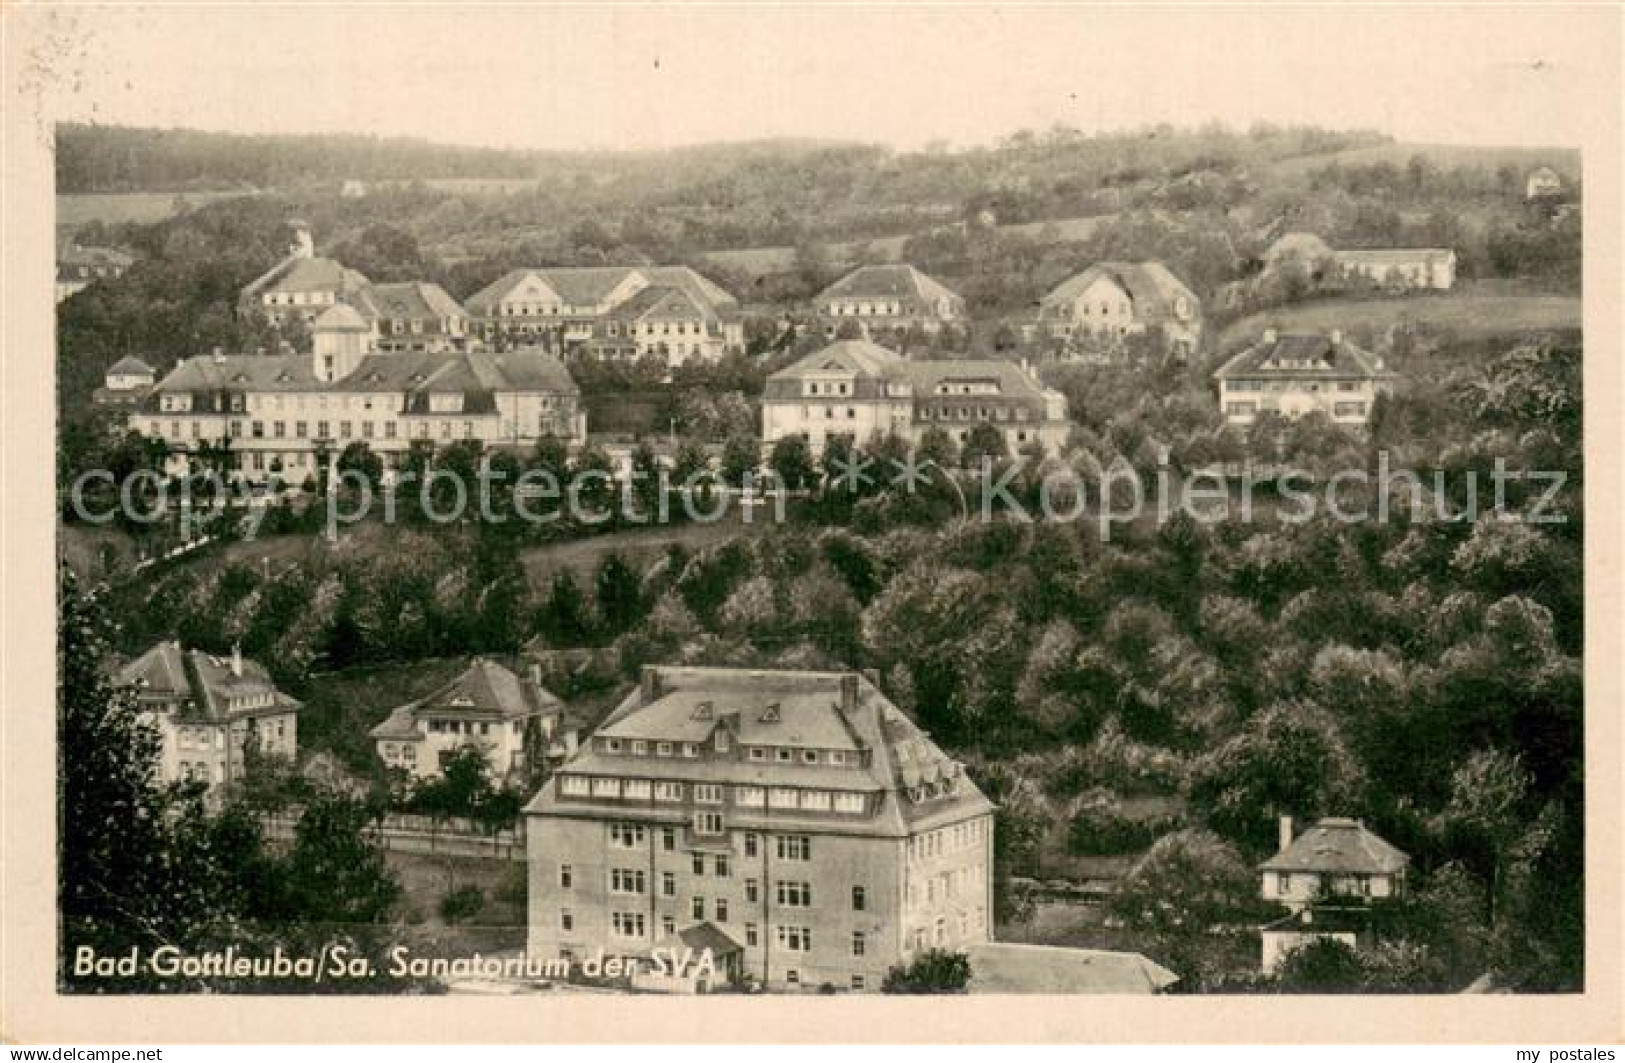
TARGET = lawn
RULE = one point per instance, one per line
(1565, 161)
(1471, 312)
(74, 209)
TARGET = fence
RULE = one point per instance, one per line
(404, 832)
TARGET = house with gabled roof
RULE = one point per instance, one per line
(205, 710)
(302, 284)
(801, 814)
(512, 720)
(1337, 269)
(126, 382)
(1327, 877)
(287, 414)
(860, 389)
(1292, 374)
(1110, 301)
(567, 309)
(413, 316)
(1336, 857)
(78, 267)
(888, 299)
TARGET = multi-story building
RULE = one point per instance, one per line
(666, 322)
(1295, 374)
(291, 413)
(1327, 877)
(301, 285)
(77, 268)
(509, 719)
(127, 382)
(413, 317)
(1398, 268)
(887, 300)
(572, 309)
(801, 815)
(860, 389)
(205, 708)
(1112, 300)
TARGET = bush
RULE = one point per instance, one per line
(932, 971)
(462, 903)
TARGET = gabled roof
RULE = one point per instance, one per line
(484, 689)
(413, 373)
(850, 356)
(660, 302)
(204, 682)
(1338, 846)
(313, 275)
(266, 372)
(800, 710)
(871, 362)
(409, 301)
(1151, 286)
(593, 285)
(899, 281)
(128, 365)
(341, 317)
(1299, 355)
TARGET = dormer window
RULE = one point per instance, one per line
(809, 756)
(770, 714)
(702, 711)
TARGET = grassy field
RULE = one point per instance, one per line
(75, 209)
(1565, 161)
(765, 261)
(1470, 312)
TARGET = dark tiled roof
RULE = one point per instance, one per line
(1338, 846)
(781, 708)
(888, 282)
(1298, 355)
(484, 689)
(1151, 286)
(128, 365)
(411, 301)
(593, 285)
(203, 682)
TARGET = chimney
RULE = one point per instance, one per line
(219, 356)
(237, 659)
(651, 683)
(570, 741)
(1269, 335)
(849, 692)
(1336, 336)
(1286, 833)
(536, 676)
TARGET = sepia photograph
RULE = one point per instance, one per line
(560, 505)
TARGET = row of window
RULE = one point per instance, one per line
(1248, 409)
(946, 840)
(980, 413)
(468, 727)
(946, 885)
(753, 797)
(1288, 385)
(638, 747)
(634, 835)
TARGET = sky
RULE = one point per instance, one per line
(661, 76)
